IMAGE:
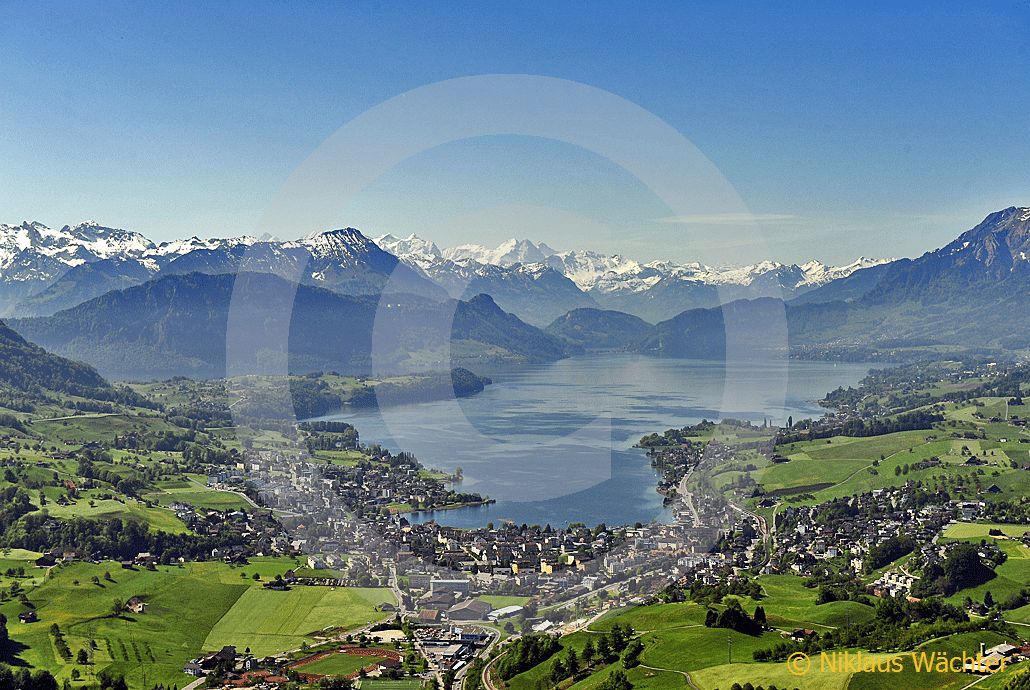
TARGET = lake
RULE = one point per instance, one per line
(553, 443)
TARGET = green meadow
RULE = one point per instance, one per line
(267, 621)
(340, 664)
(191, 609)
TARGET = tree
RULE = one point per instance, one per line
(558, 673)
(988, 599)
(572, 661)
(760, 619)
(631, 657)
(604, 648)
(711, 618)
(963, 568)
(117, 606)
(616, 681)
(82, 658)
(335, 684)
(589, 652)
(109, 681)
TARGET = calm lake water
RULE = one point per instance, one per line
(553, 443)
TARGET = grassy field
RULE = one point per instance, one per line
(789, 604)
(677, 644)
(981, 530)
(657, 617)
(196, 495)
(340, 664)
(159, 641)
(843, 466)
(499, 602)
(158, 519)
(1012, 576)
(384, 684)
(269, 621)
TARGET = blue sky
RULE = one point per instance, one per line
(846, 130)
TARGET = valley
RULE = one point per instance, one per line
(607, 501)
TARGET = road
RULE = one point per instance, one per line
(95, 415)
(487, 681)
(396, 587)
(688, 497)
(763, 527)
(686, 676)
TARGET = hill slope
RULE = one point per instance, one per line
(600, 329)
(29, 371)
(177, 325)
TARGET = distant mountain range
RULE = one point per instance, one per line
(972, 293)
(136, 309)
(43, 271)
(540, 283)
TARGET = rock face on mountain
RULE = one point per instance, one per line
(177, 325)
(993, 256)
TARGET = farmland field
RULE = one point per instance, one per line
(384, 684)
(158, 519)
(339, 664)
(157, 639)
(499, 601)
(269, 621)
(977, 530)
(212, 596)
(197, 496)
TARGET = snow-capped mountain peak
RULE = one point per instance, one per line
(71, 245)
(513, 251)
(345, 246)
(181, 247)
(412, 249)
(818, 273)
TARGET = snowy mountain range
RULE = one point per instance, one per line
(136, 309)
(43, 270)
(653, 290)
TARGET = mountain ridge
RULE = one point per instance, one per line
(177, 325)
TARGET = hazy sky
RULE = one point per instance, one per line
(846, 130)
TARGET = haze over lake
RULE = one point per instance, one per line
(553, 443)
